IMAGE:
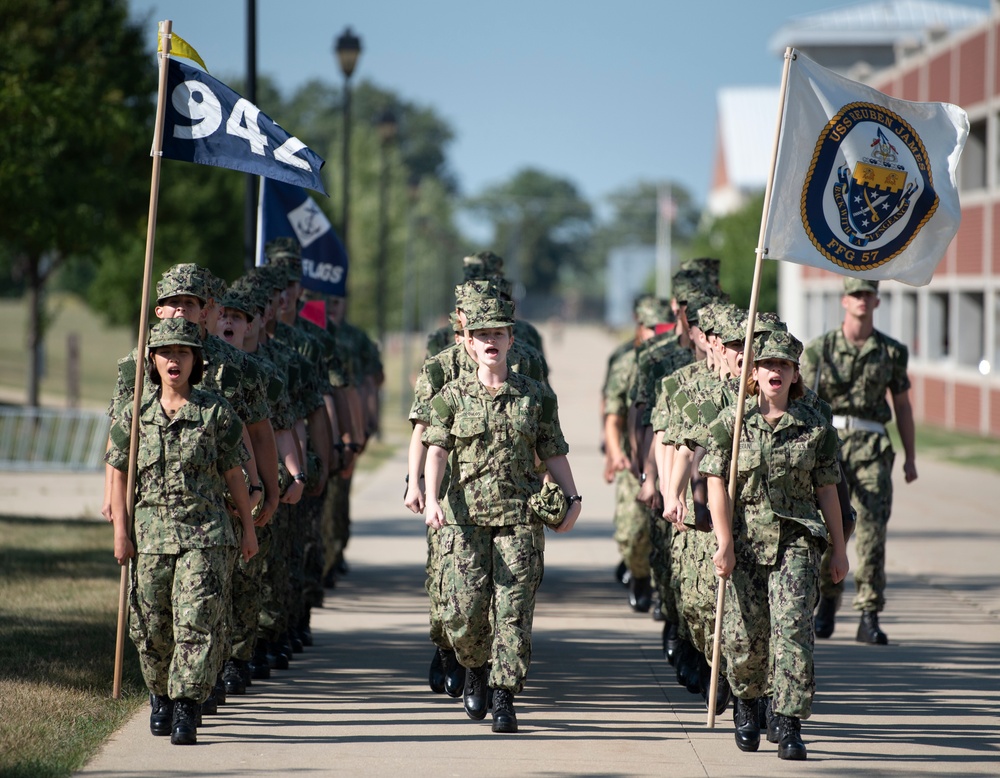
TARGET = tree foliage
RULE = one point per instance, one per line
(541, 223)
(733, 239)
(75, 107)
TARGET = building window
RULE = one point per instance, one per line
(938, 342)
(972, 167)
(970, 346)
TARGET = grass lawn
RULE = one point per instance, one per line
(58, 611)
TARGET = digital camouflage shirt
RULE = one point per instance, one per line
(493, 442)
(181, 461)
(854, 380)
(778, 472)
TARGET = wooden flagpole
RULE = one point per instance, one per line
(720, 602)
(140, 373)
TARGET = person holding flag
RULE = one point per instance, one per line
(770, 550)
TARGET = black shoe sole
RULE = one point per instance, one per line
(183, 738)
(748, 747)
(508, 727)
(794, 754)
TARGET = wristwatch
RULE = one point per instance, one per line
(299, 476)
(575, 498)
(256, 488)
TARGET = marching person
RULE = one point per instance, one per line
(190, 450)
(852, 368)
(495, 422)
(771, 549)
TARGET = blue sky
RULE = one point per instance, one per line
(603, 93)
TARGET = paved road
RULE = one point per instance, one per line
(601, 700)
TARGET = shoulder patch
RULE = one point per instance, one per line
(120, 436)
(126, 369)
(441, 407)
(435, 373)
(548, 409)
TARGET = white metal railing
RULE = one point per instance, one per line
(43, 439)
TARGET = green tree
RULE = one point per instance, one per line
(75, 110)
(733, 238)
(633, 221)
(541, 224)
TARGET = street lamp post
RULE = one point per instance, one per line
(347, 48)
(386, 125)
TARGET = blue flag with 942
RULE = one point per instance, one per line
(208, 123)
(289, 211)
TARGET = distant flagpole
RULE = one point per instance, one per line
(154, 198)
(720, 603)
(664, 237)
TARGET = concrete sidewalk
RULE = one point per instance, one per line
(600, 699)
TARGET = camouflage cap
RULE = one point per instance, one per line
(291, 266)
(769, 322)
(174, 332)
(488, 312)
(482, 265)
(456, 323)
(685, 284)
(778, 345)
(853, 284)
(479, 288)
(186, 278)
(274, 279)
(734, 328)
(707, 268)
(255, 293)
(283, 247)
(713, 316)
(652, 311)
(240, 299)
(215, 286)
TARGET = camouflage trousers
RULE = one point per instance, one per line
(246, 597)
(767, 630)
(661, 555)
(870, 484)
(175, 610)
(631, 525)
(275, 586)
(336, 523)
(312, 553)
(699, 589)
(434, 586)
(498, 570)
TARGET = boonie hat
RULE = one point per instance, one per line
(853, 284)
(487, 313)
(778, 345)
(174, 332)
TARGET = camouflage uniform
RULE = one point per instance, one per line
(779, 536)
(854, 382)
(184, 538)
(491, 544)
(631, 518)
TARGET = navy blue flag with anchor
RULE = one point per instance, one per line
(289, 211)
(208, 123)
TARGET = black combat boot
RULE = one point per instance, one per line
(671, 643)
(622, 574)
(767, 720)
(277, 657)
(790, 745)
(219, 691)
(161, 714)
(723, 692)
(454, 673)
(305, 630)
(640, 594)
(210, 706)
(687, 667)
(232, 677)
(185, 723)
(260, 667)
(869, 630)
(747, 725)
(504, 718)
(435, 676)
(476, 692)
(826, 615)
